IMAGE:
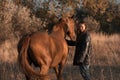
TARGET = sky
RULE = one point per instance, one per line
(117, 0)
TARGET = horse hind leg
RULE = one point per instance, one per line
(27, 77)
(56, 68)
(58, 71)
(44, 68)
(44, 72)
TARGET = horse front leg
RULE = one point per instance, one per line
(61, 66)
(56, 68)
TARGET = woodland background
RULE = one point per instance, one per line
(19, 17)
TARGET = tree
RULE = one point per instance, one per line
(106, 12)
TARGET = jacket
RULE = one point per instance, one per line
(83, 48)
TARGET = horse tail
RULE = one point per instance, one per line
(28, 70)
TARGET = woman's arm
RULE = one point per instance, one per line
(71, 43)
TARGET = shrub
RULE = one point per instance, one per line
(16, 20)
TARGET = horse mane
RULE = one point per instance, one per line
(61, 24)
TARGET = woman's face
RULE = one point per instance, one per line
(81, 27)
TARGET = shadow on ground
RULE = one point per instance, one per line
(11, 72)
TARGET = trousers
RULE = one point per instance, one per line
(84, 70)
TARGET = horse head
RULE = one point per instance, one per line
(70, 31)
(68, 25)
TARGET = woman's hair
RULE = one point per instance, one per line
(82, 23)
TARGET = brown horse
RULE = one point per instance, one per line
(46, 50)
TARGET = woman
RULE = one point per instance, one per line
(83, 50)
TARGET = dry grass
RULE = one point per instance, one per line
(105, 64)
(16, 20)
(106, 49)
(105, 60)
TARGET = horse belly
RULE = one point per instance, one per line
(56, 61)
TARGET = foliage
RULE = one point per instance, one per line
(106, 12)
(18, 17)
(16, 21)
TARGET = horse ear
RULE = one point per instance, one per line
(72, 16)
(60, 19)
(66, 20)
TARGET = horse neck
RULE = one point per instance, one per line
(58, 33)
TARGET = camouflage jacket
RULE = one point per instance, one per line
(83, 48)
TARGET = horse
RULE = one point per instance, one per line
(46, 50)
